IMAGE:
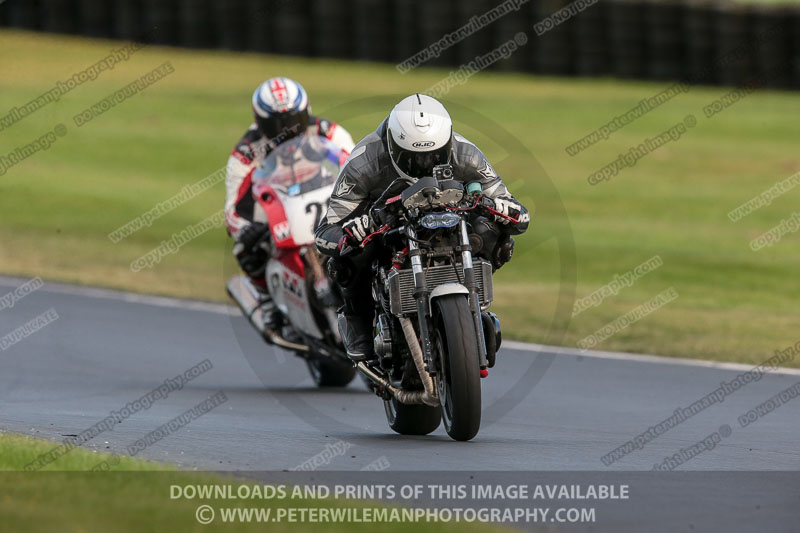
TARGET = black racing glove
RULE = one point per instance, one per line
(358, 228)
(251, 248)
(354, 232)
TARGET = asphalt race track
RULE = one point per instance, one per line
(104, 352)
(545, 409)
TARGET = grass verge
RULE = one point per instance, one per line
(59, 206)
(134, 496)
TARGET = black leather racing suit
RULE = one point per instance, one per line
(366, 174)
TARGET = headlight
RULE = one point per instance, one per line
(440, 220)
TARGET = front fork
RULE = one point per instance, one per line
(422, 296)
(474, 300)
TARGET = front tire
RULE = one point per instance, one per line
(329, 372)
(459, 383)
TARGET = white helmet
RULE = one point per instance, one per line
(419, 136)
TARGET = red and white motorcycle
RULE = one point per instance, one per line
(293, 186)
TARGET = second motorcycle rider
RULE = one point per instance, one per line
(281, 111)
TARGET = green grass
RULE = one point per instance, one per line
(135, 496)
(58, 207)
(16, 451)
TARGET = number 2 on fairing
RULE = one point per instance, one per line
(317, 207)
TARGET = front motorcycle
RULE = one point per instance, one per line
(434, 338)
(293, 186)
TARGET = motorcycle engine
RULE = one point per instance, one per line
(384, 339)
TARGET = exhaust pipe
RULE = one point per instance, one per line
(419, 361)
(247, 297)
(402, 395)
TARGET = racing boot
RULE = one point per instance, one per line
(270, 315)
(356, 334)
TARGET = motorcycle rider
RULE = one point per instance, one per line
(416, 136)
(281, 111)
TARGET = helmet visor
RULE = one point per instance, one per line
(282, 126)
(418, 164)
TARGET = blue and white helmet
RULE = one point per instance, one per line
(281, 108)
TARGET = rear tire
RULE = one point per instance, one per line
(459, 380)
(415, 419)
(330, 372)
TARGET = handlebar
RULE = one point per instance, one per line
(388, 213)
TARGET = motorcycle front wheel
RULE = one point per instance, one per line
(459, 385)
